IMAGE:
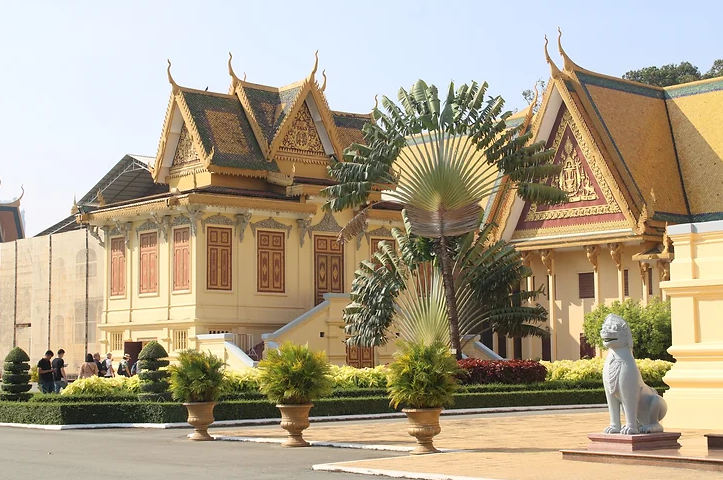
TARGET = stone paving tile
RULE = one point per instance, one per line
(523, 447)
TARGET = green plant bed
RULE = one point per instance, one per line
(9, 388)
(15, 397)
(154, 397)
(115, 398)
(78, 412)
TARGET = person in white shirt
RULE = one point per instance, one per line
(109, 365)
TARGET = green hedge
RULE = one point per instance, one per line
(153, 376)
(153, 364)
(16, 367)
(79, 412)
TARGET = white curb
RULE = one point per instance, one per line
(275, 421)
(335, 467)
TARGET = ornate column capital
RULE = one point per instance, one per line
(593, 254)
(547, 256)
(644, 267)
(526, 257)
(616, 252)
(664, 266)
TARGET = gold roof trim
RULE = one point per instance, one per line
(253, 121)
(234, 79)
(247, 202)
(160, 153)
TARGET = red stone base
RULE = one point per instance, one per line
(613, 442)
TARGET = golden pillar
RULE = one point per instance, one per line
(548, 260)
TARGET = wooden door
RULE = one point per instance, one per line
(328, 267)
(133, 349)
(360, 357)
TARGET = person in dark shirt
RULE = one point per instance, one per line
(45, 373)
(101, 365)
(59, 379)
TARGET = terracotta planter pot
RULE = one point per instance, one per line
(424, 425)
(200, 416)
(295, 419)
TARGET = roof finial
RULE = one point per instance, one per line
(568, 64)
(74, 208)
(170, 78)
(244, 76)
(234, 78)
(323, 85)
(554, 71)
(376, 101)
(316, 64)
(101, 199)
(530, 111)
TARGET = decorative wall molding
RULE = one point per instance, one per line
(217, 219)
(327, 224)
(242, 220)
(304, 225)
(123, 230)
(547, 256)
(271, 223)
(163, 223)
(146, 226)
(362, 234)
(180, 220)
(94, 232)
(526, 257)
(379, 232)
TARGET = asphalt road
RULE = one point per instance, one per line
(135, 454)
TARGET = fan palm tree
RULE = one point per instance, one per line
(440, 161)
(403, 292)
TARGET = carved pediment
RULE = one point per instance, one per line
(217, 219)
(186, 152)
(273, 224)
(327, 224)
(302, 137)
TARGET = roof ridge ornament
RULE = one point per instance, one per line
(316, 65)
(323, 85)
(234, 79)
(554, 71)
(568, 64)
(176, 88)
(530, 111)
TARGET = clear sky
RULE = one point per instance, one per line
(83, 83)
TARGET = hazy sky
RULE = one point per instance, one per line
(83, 83)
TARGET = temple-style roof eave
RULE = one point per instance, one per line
(558, 243)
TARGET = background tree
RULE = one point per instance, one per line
(649, 324)
(458, 149)
(529, 95)
(673, 74)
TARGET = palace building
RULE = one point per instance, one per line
(635, 159)
(220, 242)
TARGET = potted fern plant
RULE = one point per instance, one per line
(196, 380)
(423, 378)
(292, 376)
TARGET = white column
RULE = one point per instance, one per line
(548, 259)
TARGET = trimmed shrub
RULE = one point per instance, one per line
(591, 369)
(80, 412)
(100, 387)
(350, 377)
(240, 382)
(154, 382)
(15, 382)
(501, 371)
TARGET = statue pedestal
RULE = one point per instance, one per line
(614, 442)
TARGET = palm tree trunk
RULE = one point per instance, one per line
(448, 282)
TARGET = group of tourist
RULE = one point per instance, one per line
(52, 377)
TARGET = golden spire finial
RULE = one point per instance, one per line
(234, 78)
(554, 71)
(530, 111)
(101, 199)
(316, 64)
(568, 64)
(376, 102)
(323, 85)
(74, 208)
(170, 78)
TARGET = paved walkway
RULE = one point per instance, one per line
(505, 446)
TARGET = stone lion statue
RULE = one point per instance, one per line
(624, 386)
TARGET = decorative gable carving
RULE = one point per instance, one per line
(581, 177)
(273, 224)
(302, 137)
(327, 224)
(185, 151)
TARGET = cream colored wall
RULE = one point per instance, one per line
(243, 310)
(696, 292)
(569, 309)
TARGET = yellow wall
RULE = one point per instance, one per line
(569, 308)
(242, 310)
(696, 291)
